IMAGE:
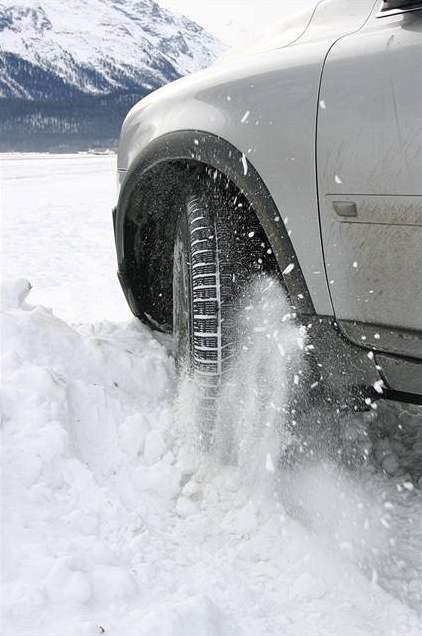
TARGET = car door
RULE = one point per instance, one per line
(369, 165)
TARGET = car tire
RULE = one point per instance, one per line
(219, 246)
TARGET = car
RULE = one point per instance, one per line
(299, 158)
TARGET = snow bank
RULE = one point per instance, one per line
(78, 409)
(110, 525)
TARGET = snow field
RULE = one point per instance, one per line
(57, 225)
(111, 521)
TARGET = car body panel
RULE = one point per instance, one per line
(327, 19)
(277, 108)
(265, 106)
(240, 102)
(370, 155)
(335, 18)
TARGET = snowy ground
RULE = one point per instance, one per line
(57, 230)
(111, 523)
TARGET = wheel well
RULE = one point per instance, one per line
(149, 227)
(149, 231)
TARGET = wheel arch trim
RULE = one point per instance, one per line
(211, 150)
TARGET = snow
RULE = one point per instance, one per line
(290, 267)
(112, 521)
(378, 386)
(72, 261)
(244, 165)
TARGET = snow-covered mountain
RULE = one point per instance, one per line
(54, 52)
(96, 46)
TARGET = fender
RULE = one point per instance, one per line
(264, 102)
(264, 106)
(210, 150)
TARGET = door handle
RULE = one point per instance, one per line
(345, 208)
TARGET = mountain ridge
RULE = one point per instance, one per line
(55, 56)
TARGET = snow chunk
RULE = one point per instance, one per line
(244, 164)
(111, 583)
(14, 293)
(378, 386)
(243, 521)
(132, 434)
(154, 447)
(196, 616)
(64, 584)
(288, 269)
(307, 587)
(161, 478)
(185, 507)
(269, 464)
(191, 489)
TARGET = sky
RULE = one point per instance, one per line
(229, 19)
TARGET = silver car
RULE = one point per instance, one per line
(302, 158)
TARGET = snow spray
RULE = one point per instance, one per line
(349, 507)
(252, 410)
